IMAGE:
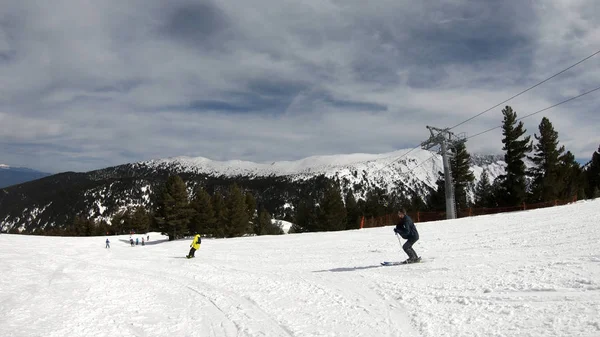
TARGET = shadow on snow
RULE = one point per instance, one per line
(336, 270)
(147, 243)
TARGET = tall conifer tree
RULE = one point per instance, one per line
(218, 204)
(593, 176)
(204, 218)
(352, 211)
(251, 207)
(513, 182)
(483, 191)
(333, 211)
(436, 201)
(571, 178)
(264, 224)
(546, 183)
(461, 175)
(237, 213)
(173, 212)
(140, 220)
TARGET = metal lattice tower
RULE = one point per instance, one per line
(446, 140)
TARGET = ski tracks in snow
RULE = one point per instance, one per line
(319, 304)
(209, 311)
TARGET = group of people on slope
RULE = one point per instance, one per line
(131, 242)
(405, 228)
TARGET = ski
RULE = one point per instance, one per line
(392, 263)
(395, 263)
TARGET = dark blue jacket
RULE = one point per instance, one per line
(407, 229)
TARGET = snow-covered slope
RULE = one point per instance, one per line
(531, 273)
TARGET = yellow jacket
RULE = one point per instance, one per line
(196, 242)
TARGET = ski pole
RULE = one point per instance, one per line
(399, 242)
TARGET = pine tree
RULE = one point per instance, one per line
(237, 213)
(546, 184)
(461, 175)
(436, 200)
(374, 205)
(173, 212)
(102, 228)
(220, 211)
(89, 227)
(333, 212)
(140, 220)
(352, 211)
(416, 202)
(306, 215)
(121, 221)
(593, 175)
(395, 200)
(204, 216)
(80, 226)
(251, 207)
(497, 192)
(483, 191)
(513, 184)
(571, 177)
(265, 225)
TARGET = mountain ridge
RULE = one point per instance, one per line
(11, 175)
(99, 194)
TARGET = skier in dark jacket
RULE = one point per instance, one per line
(407, 230)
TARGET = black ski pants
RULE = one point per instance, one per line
(408, 249)
(192, 252)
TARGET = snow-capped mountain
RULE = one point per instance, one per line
(414, 169)
(102, 193)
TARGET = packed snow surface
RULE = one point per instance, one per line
(530, 273)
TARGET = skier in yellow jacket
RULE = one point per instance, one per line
(194, 246)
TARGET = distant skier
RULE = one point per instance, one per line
(148, 238)
(131, 241)
(107, 243)
(407, 230)
(194, 246)
(143, 244)
(137, 241)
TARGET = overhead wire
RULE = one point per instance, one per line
(400, 157)
(416, 167)
(510, 98)
(528, 89)
(518, 119)
(537, 112)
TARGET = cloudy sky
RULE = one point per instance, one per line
(90, 84)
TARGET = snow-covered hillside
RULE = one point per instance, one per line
(103, 193)
(530, 273)
(412, 168)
